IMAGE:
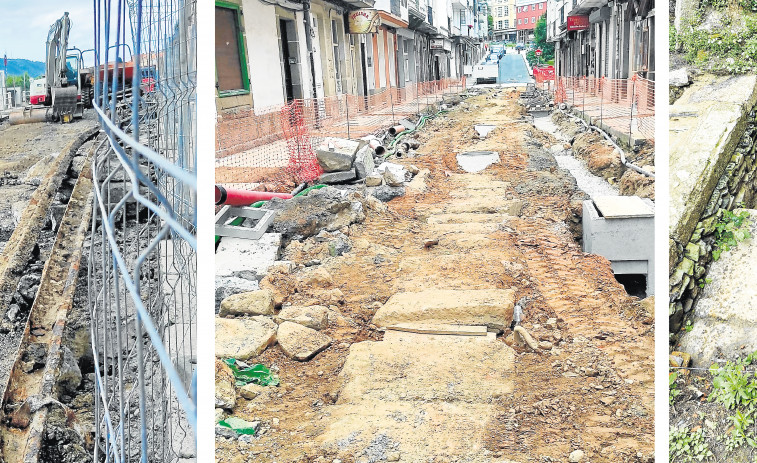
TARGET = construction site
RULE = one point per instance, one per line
(97, 244)
(450, 272)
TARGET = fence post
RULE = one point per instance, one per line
(417, 97)
(391, 102)
(630, 123)
(583, 96)
(601, 101)
(347, 106)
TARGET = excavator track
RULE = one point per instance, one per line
(30, 390)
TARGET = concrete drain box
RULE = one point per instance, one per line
(621, 229)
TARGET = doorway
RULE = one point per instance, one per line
(290, 62)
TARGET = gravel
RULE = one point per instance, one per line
(591, 184)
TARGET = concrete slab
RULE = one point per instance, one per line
(490, 307)
(626, 241)
(706, 123)
(725, 316)
(617, 207)
(248, 259)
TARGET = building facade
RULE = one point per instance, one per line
(602, 39)
(503, 13)
(306, 49)
(527, 12)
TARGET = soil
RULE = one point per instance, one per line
(592, 391)
(25, 152)
(603, 160)
(692, 410)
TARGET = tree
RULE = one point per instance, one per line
(540, 41)
(23, 81)
(490, 20)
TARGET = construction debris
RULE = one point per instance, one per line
(300, 342)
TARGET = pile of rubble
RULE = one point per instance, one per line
(535, 99)
(254, 310)
(354, 165)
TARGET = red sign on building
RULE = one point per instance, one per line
(578, 23)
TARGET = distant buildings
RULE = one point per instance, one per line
(527, 13)
(503, 13)
(268, 53)
(600, 38)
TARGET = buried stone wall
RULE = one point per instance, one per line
(713, 160)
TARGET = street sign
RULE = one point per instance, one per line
(538, 52)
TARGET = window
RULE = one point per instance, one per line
(231, 63)
(337, 69)
(518, 9)
(533, 7)
(507, 11)
(541, 6)
(499, 11)
(406, 49)
(507, 24)
(499, 24)
(533, 19)
(520, 22)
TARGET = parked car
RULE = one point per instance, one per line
(520, 46)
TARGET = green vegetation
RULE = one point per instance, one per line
(540, 41)
(672, 387)
(729, 231)
(688, 446)
(23, 81)
(729, 46)
(732, 386)
(736, 389)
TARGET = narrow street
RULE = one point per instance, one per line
(434, 388)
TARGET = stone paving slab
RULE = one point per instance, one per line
(490, 307)
(706, 123)
(425, 367)
(726, 313)
(416, 394)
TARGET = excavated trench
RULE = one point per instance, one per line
(44, 322)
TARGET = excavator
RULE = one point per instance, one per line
(58, 95)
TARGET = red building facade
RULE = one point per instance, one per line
(527, 12)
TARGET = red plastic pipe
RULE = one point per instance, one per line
(243, 197)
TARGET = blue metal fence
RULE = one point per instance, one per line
(142, 259)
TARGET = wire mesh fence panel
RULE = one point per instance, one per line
(142, 258)
(276, 145)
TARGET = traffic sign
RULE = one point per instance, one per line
(538, 52)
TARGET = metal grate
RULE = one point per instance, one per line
(142, 259)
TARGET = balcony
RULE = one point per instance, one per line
(581, 7)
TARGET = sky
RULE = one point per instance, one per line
(25, 24)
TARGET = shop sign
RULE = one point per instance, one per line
(578, 23)
(363, 21)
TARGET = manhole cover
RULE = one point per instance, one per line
(476, 161)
